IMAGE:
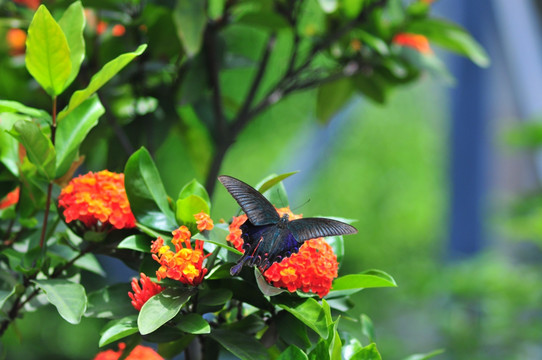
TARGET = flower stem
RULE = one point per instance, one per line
(50, 186)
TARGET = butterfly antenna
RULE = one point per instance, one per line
(300, 206)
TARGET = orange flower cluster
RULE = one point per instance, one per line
(414, 41)
(98, 200)
(140, 352)
(185, 264)
(16, 39)
(204, 221)
(144, 292)
(313, 268)
(10, 199)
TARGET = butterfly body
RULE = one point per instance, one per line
(269, 237)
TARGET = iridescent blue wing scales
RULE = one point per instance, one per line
(258, 209)
(310, 228)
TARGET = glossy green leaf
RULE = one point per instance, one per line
(215, 297)
(373, 42)
(146, 193)
(308, 311)
(266, 288)
(110, 302)
(47, 53)
(38, 147)
(240, 345)
(264, 19)
(332, 97)
(5, 295)
(451, 37)
(9, 152)
(71, 132)
(293, 353)
(139, 243)
(193, 323)
(291, 330)
(195, 188)
(369, 352)
(170, 349)
(10, 106)
(69, 298)
(118, 329)
(273, 180)
(372, 85)
(356, 282)
(161, 308)
(187, 208)
(99, 79)
(426, 355)
(190, 19)
(72, 23)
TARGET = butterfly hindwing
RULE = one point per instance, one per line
(310, 228)
(258, 209)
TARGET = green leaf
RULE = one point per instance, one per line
(139, 243)
(425, 356)
(293, 353)
(161, 308)
(266, 288)
(118, 329)
(190, 19)
(5, 295)
(308, 311)
(111, 302)
(373, 42)
(72, 23)
(69, 298)
(146, 193)
(352, 283)
(352, 8)
(451, 37)
(99, 79)
(194, 324)
(367, 328)
(332, 97)
(291, 330)
(371, 85)
(369, 352)
(71, 132)
(273, 180)
(215, 297)
(217, 236)
(195, 188)
(38, 147)
(16, 107)
(47, 53)
(240, 345)
(187, 208)
(9, 152)
(264, 19)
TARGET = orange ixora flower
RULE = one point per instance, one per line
(10, 199)
(118, 30)
(414, 41)
(144, 292)
(313, 268)
(185, 264)
(16, 39)
(140, 352)
(204, 221)
(98, 200)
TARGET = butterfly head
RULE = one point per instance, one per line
(282, 224)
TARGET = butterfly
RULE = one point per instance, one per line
(268, 237)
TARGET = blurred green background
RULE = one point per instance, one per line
(386, 166)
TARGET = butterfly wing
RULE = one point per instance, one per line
(258, 209)
(310, 228)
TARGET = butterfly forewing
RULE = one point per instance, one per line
(310, 228)
(258, 209)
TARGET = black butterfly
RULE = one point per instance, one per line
(268, 238)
